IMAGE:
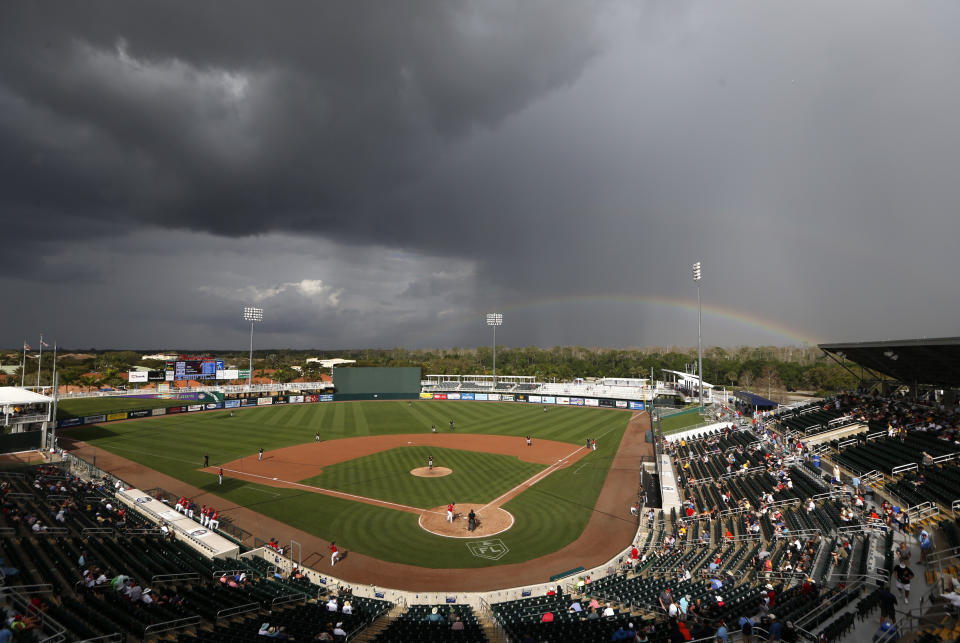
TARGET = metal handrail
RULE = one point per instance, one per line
(169, 578)
(237, 609)
(288, 598)
(175, 624)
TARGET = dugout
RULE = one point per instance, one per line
(376, 383)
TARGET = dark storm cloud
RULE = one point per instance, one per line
(383, 173)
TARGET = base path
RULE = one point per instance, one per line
(608, 533)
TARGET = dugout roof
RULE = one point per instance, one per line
(755, 400)
(933, 362)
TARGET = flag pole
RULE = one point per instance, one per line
(53, 371)
(23, 365)
(39, 360)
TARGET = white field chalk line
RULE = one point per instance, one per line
(577, 470)
(343, 494)
(533, 480)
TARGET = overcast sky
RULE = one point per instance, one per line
(383, 173)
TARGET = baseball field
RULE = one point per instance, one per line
(358, 485)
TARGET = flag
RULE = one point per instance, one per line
(44, 344)
(26, 347)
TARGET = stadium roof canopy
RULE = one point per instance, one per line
(17, 395)
(934, 362)
(755, 400)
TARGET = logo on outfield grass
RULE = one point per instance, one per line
(494, 549)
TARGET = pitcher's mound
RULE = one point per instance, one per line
(427, 472)
(489, 522)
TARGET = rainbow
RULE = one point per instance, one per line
(668, 303)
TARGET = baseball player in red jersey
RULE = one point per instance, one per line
(333, 553)
(450, 512)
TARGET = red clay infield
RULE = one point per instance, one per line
(609, 532)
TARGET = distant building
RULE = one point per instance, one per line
(162, 357)
(330, 363)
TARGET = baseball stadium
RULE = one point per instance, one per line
(397, 505)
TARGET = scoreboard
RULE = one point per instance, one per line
(195, 369)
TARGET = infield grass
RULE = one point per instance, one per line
(477, 478)
(549, 515)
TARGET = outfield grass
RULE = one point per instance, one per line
(548, 516)
(477, 478)
(675, 423)
(83, 406)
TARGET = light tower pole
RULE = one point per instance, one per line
(494, 319)
(252, 315)
(697, 274)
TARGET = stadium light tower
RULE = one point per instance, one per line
(252, 315)
(697, 274)
(494, 319)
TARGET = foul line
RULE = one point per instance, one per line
(535, 479)
(341, 494)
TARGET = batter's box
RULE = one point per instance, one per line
(494, 548)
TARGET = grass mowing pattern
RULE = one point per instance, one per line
(549, 515)
(675, 423)
(477, 478)
(80, 407)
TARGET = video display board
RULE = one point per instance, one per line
(196, 369)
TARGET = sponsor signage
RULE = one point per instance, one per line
(466, 396)
(506, 397)
(576, 401)
(231, 404)
(621, 404)
(481, 397)
(453, 396)
(158, 412)
(196, 369)
(228, 374)
(120, 415)
(213, 405)
(249, 401)
(264, 401)
(243, 373)
(536, 399)
(311, 398)
(590, 401)
(139, 413)
(136, 376)
(156, 376)
(549, 399)
(522, 397)
(296, 399)
(426, 396)
(195, 407)
(608, 403)
(280, 400)
(174, 409)
(168, 376)
(92, 419)
(493, 397)
(326, 397)
(70, 422)
(636, 406)
(439, 396)
(563, 400)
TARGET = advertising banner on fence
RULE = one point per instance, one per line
(296, 399)
(493, 397)
(213, 405)
(168, 376)
(70, 422)
(536, 399)
(325, 397)
(231, 404)
(311, 398)
(280, 400)
(607, 403)
(453, 396)
(522, 397)
(120, 415)
(195, 407)
(93, 419)
(426, 396)
(636, 406)
(576, 401)
(175, 409)
(264, 401)
(591, 401)
(135, 377)
(439, 396)
(158, 412)
(621, 404)
(506, 397)
(563, 400)
(466, 396)
(248, 401)
(548, 399)
(228, 374)
(139, 413)
(480, 397)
